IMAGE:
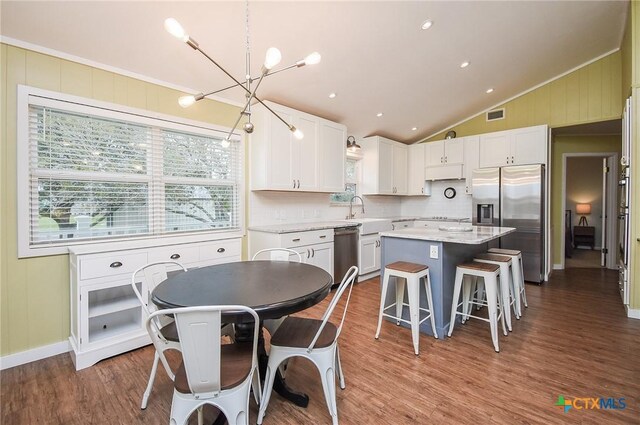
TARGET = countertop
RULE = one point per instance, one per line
(479, 234)
(303, 227)
(444, 219)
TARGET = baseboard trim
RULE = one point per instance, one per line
(632, 313)
(34, 354)
(558, 267)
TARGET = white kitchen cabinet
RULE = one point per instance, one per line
(281, 162)
(442, 152)
(519, 146)
(369, 254)
(315, 246)
(332, 156)
(106, 316)
(416, 184)
(384, 166)
(471, 160)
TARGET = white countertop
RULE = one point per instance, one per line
(303, 227)
(444, 219)
(479, 234)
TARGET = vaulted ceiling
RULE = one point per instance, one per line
(375, 56)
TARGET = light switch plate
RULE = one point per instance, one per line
(433, 251)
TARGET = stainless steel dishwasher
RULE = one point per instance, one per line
(345, 252)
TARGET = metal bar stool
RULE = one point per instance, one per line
(466, 274)
(506, 285)
(412, 273)
(518, 275)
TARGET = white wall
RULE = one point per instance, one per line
(437, 204)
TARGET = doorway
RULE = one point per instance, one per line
(586, 211)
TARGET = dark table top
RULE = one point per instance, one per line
(272, 288)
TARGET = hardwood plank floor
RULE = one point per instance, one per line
(573, 340)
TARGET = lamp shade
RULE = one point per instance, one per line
(583, 208)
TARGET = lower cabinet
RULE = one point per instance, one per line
(369, 254)
(314, 246)
(106, 316)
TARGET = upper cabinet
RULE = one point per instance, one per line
(384, 166)
(416, 184)
(471, 160)
(514, 147)
(449, 151)
(279, 161)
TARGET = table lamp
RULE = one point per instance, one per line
(583, 210)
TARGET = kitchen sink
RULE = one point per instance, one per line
(372, 225)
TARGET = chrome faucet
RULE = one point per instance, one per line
(351, 213)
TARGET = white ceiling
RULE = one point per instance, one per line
(374, 54)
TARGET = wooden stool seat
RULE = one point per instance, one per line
(493, 257)
(483, 267)
(404, 266)
(504, 251)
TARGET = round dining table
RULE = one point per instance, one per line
(272, 288)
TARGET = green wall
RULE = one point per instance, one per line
(35, 291)
(590, 94)
(571, 144)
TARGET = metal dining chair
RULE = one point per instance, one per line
(278, 254)
(210, 373)
(163, 326)
(316, 340)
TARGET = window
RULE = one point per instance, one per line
(91, 173)
(351, 181)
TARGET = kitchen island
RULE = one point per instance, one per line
(442, 251)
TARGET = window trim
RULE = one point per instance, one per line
(28, 95)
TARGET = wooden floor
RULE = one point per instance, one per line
(574, 340)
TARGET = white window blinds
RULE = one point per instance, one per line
(96, 174)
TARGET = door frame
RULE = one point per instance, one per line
(612, 202)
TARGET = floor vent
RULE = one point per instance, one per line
(496, 114)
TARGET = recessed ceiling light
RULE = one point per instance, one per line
(414, 128)
(427, 24)
(464, 64)
(379, 114)
(489, 90)
(332, 95)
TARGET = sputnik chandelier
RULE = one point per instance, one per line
(272, 59)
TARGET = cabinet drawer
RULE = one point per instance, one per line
(183, 254)
(111, 264)
(220, 249)
(292, 240)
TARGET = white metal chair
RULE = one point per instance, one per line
(278, 254)
(210, 373)
(316, 340)
(163, 326)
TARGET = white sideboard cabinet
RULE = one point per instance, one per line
(106, 316)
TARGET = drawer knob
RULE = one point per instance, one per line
(115, 264)
(175, 256)
(221, 250)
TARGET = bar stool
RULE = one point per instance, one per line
(518, 275)
(412, 273)
(506, 288)
(466, 275)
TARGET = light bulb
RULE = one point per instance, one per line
(174, 28)
(297, 133)
(312, 58)
(273, 58)
(225, 143)
(186, 101)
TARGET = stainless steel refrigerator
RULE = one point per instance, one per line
(514, 197)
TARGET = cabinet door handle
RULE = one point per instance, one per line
(507, 160)
(313, 252)
(308, 253)
(175, 256)
(512, 159)
(115, 264)
(294, 183)
(445, 159)
(221, 250)
(422, 190)
(295, 240)
(298, 184)
(323, 236)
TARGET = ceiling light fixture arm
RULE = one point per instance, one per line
(246, 105)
